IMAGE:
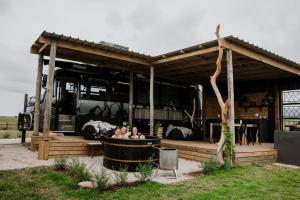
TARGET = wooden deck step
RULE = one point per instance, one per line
(71, 148)
(267, 156)
(201, 151)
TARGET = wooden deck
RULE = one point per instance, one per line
(201, 151)
(57, 146)
(73, 146)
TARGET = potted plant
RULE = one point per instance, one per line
(158, 129)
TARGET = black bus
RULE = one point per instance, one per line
(85, 92)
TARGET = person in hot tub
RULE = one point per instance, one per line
(118, 133)
(125, 134)
(135, 134)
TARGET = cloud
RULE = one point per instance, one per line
(151, 27)
(4, 6)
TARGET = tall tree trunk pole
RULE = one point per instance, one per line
(230, 88)
(37, 102)
(131, 99)
(151, 100)
(224, 106)
(50, 79)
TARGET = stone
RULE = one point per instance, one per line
(88, 184)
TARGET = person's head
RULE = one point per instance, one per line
(134, 131)
(117, 130)
(123, 130)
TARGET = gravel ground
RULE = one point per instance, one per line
(14, 155)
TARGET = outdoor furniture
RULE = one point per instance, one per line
(241, 133)
(91, 146)
(244, 135)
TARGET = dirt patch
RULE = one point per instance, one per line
(194, 174)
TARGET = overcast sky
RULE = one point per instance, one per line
(151, 27)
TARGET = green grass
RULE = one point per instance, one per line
(12, 134)
(12, 131)
(243, 182)
(11, 120)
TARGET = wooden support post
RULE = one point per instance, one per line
(43, 152)
(24, 110)
(49, 90)
(230, 88)
(131, 99)
(37, 102)
(203, 111)
(151, 100)
(277, 103)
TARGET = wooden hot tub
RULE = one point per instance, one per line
(119, 153)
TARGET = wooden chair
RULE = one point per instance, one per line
(252, 135)
(241, 133)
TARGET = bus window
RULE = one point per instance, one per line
(71, 87)
(93, 89)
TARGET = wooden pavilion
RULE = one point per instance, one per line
(249, 69)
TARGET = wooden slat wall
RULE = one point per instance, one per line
(212, 109)
(268, 156)
(71, 149)
(199, 154)
(35, 141)
(192, 153)
(58, 148)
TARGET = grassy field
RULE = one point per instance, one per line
(12, 131)
(7, 134)
(11, 120)
(243, 182)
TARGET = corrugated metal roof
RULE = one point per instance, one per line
(212, 43)
(235, 40)
(261, 50)
(91, 44)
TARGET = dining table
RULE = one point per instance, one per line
(244, 135)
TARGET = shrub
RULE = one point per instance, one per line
(121, 177)
(60, 163)
(79, 170)
(6, 135)
(144, 171)
(210, 166)
(226, 165)
(102, 179)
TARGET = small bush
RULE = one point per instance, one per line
(6, 135)
(102, 179)
(79, 170)
(226, 165)
(121, 177)
(144, 171)
(212, 165)
(60, 163)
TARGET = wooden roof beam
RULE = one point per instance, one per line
(202, 67)
(240, 75)
(93, 50)
(115, 66)
(185, 55)
(42, 48)
(260, 57)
